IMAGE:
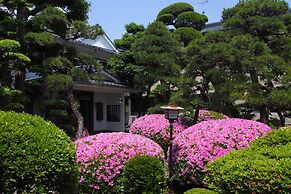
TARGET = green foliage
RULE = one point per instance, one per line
(21, 58)
(264, 167)
(36, 156)
(81, 29)
(159, 53)
(176, 8)
(8, 45)
(41, 39)
(125, 43)
(143, 174)
(191, 19)
(43, 29)
(59, 82)
(208, 60)
(58, 113)
(57, 103)
(52, 19)
(199, 191)
(282, 97)
(166, 18)
(247, 62)
(11, 99)
(148, 57)
(259, 18)
(133, 28)
(124, 67)
(182, 15)
(186, 35)
(79, 75)
(157, 49)
(9, 50)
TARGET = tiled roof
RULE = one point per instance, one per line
(111, 83)
(94, 47)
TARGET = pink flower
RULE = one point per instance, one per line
(155, 127)
(208, 140)
(101, 157)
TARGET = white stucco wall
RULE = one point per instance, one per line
(109, 99)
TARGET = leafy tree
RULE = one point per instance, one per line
(132, 31)
(186, 35)
(43, 30)
(268, 24)
(124, 66)
(186, 22)
(149, 58)
(207, 73)
(10, 66)
(240, 64)
(159, 53)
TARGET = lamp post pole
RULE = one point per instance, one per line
(171, 149)
(172, 114)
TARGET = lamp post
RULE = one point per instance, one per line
(172, 114)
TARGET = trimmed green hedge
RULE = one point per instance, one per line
(143, 174)
(199, 191)
(36, 156)
(264, 167)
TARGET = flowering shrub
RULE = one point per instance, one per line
(187, 118)
(155, 127)
(208, 140)
(101, 158)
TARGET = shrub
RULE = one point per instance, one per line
(144, 174)
(187, 118)
(155, 127)
(264, 167)
(199, 191)
(57, 104)
(102, 157)
(208, 140)
(35, 156)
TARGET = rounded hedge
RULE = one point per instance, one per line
(264, 167)
(208, 140)
(143, 174)
(36, 156)
(101, 158)
(200, 191)
(155, 127)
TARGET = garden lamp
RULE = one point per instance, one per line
(172, 114)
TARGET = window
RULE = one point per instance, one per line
(99, 111)
(113, 113)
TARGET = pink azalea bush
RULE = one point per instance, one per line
(208, 140)
(156, 127)
(187, 118)
(206, 115)
(101, 158)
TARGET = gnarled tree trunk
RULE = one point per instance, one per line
(264, 114)
(196, 115)
(77, 115)
(282, 118)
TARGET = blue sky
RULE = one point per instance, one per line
(112, 15)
